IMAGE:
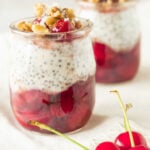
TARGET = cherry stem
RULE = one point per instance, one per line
(125, 118)
(45, 127)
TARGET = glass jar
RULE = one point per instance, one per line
(52, 78)
(116, 39)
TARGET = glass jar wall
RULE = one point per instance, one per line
(52, 78)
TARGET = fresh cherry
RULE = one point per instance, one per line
(129, 139)
(139, 148)
(63, 26)
(107, 146)
(123, 140)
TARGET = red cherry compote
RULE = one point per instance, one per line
(65, 111)
(112, 67)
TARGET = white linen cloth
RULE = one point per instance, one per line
(96, 131)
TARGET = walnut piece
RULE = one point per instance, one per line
(39, 9)
(36, 28)
(54, 12)
(107, 1)
(24, 26)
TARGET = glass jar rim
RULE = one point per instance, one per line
(85, 29)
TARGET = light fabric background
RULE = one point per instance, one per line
(106, 121)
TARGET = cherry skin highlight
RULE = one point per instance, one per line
(123, 140)
(107, 146)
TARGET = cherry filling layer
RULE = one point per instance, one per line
(65, 111)
(112, 66)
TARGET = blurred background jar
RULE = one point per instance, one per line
(116, 38)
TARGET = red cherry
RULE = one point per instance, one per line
(24, 103)
(107, 146)
(123, 140)
(67, 100)
(139, 148)
(37, 21)
(79, 112)
(63, 26)
(99, 53)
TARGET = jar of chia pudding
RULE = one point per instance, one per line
(116, 38)
(52, 77)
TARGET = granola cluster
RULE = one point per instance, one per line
(48, 20)
(107, 5)
(106, 1)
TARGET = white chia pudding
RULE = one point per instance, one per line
(118, 29)
(53, 69)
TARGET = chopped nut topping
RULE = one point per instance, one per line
(54, 12)
(24, 26)
(107, 1)
(49, 20)
(68, 13)
(78, 24)
(107, 5)
(39, 9)
(36, 28)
